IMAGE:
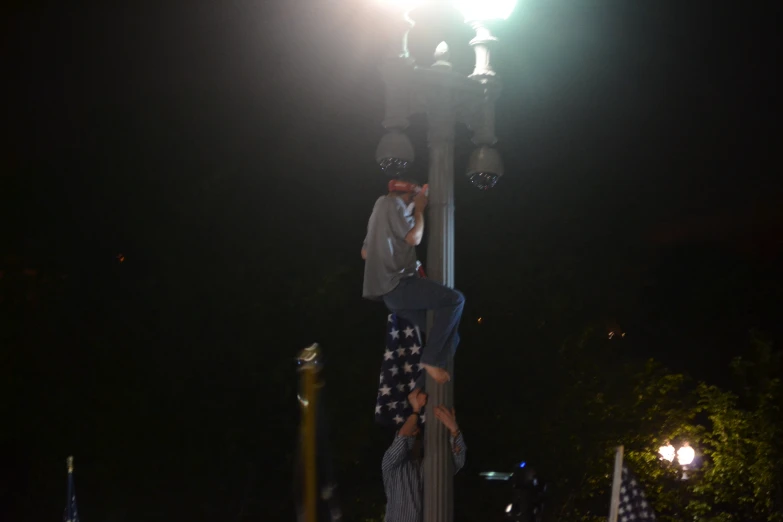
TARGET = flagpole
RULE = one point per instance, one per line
(616, 481)
(309, 365)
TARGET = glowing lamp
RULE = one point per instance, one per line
(484, 10)
(401, 5)
(685, 455)
(667, 452)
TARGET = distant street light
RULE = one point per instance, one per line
(667, 452)
(685, 455)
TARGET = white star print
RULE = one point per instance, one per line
(390, 318)
(377, 409)
(385, 390)
(392, 405)
(421, 417)
(387, 355)
(395, 333)
(401, 387)
(415, 349)
(401, 351)
(412, 384)
(409, 332)
(381, 378)
(408, 368)
(398, 419)
(394, 370)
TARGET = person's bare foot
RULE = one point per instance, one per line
(439, 375)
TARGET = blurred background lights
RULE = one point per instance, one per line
(685, 455)
(667, 452)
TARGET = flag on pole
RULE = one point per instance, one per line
(400, 372)
(71, 513)
(629, 503)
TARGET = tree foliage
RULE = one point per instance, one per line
(737, 473)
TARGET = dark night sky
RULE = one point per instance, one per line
(226, 149)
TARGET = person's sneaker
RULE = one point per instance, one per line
(439, 375)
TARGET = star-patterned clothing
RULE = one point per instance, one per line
(634, 506)
(402, 478)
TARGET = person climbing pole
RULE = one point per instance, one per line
(395, 228)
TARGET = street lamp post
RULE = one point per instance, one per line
(685, 455)
(446, 97)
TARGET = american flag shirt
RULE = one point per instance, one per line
(400, 372)
(634, 506)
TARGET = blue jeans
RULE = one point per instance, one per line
(413, 297)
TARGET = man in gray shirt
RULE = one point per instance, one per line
(396, 226)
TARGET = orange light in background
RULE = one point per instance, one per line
(480, 320)
(120, 257)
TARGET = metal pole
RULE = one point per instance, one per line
(439, 87)
(616, 481)
(309, 365)
(438, 463)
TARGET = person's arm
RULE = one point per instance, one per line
(417, 232)
(403, 442)
(458, 448)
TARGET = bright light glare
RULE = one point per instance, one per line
(480, 10)
(667, 452)
(401, 5)
(685, 455)
(508, 508)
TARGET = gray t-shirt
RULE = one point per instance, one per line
(389, 257)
